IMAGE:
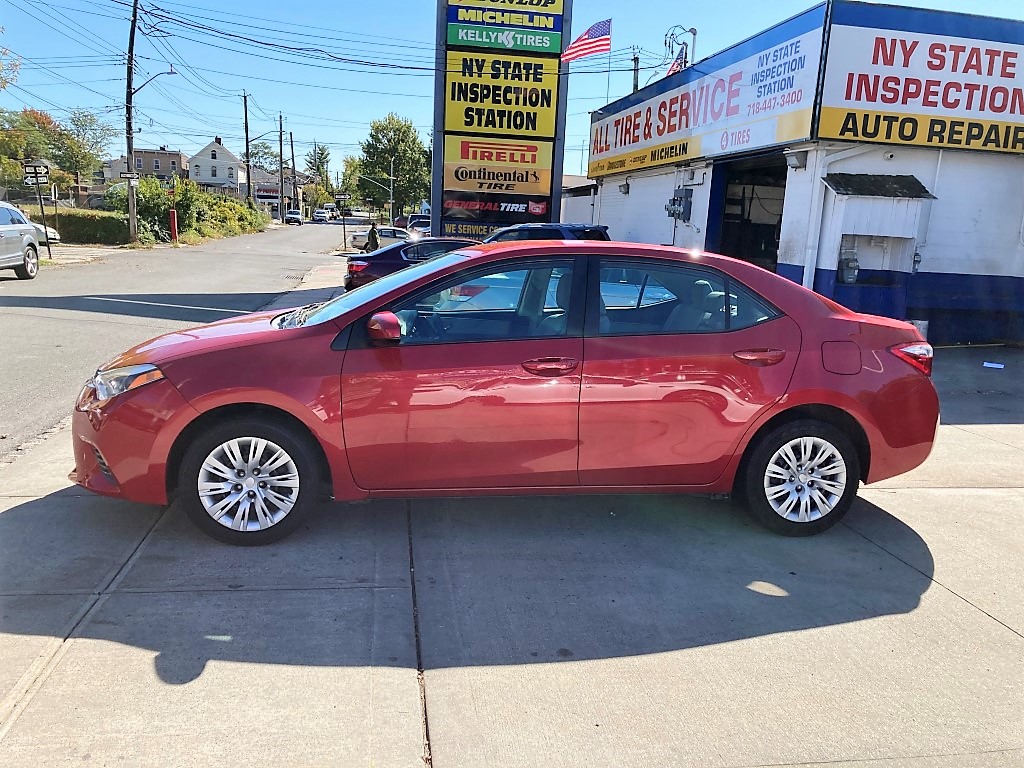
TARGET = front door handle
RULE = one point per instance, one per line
(551, 366)
(760, 357)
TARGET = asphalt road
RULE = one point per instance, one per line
(57, 329)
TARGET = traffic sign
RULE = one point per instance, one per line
(34, 179)
(129, 174)
(342, 198)
(33, 169)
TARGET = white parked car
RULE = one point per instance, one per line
(293, 217)
(46, 235)
(386, 236)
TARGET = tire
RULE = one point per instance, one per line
(29, 267)
(782, 495)
(296, 472)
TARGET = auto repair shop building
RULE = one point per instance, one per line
(873, 153)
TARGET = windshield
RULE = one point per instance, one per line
(378, 288)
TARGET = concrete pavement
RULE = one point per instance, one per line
(591, 631)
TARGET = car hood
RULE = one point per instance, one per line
(234, 332)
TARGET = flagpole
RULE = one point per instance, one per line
(608, 86)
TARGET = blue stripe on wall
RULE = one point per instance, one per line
(960, 308)
(925, 21)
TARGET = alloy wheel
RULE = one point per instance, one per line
(805, 479)
(248, 484)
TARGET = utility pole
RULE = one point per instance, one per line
(248, 165)
(295, 174)
(391, 192)
(280, 164)
(636, 70)
(133, 220)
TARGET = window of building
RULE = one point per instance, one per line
(138, 163)
(231, 172)
(174, 165)
(156, 164)
(213, 154)
(213, 172)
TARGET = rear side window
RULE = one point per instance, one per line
(747, 308)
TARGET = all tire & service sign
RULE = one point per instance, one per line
(924, 78)
(500, 104)
(757, 94)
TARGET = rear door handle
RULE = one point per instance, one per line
(551, 366)
(760, 357)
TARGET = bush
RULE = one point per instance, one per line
(81, 226)
(205, 215)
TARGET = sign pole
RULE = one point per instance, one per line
(42, 211)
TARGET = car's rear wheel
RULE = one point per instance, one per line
(29, 266)
(249, 481)
(801, 478)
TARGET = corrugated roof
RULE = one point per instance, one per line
(877, 185)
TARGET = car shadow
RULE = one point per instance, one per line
(498, 581)
(186, 307)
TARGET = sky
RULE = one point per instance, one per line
(347, 63)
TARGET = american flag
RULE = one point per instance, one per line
(678, 62)
(597, 39)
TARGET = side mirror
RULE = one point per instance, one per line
(384, 328)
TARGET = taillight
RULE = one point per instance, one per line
(357, 266)
(917, 353)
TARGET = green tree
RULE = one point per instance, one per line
(316, 195)
(317, 160)
(263, 156)
(352, 167)
(8, 66)
(395, 138)
(80, 143)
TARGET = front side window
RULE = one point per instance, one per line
(5, 216)
(500, 305)
(17, 218)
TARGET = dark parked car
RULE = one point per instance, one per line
(549, 232)
(726, 378)
(396, 256)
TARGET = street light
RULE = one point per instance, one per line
(133, 218)
(390, 189)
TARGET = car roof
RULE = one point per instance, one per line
(552, 224)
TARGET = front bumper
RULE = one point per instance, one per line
(121, 446)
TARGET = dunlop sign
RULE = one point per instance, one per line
(498, 104)
(897, 81)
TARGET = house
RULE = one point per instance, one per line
(217, 168)
(161, 163)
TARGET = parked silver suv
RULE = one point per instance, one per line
(19, 247)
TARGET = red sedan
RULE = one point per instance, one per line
(540, 367)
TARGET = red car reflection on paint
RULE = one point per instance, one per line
(525, 368)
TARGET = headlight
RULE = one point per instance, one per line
(117, 381)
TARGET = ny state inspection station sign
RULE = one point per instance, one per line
(499, 107)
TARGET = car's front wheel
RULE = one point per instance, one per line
(249, 481)
(29, 266)
(801, 478)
